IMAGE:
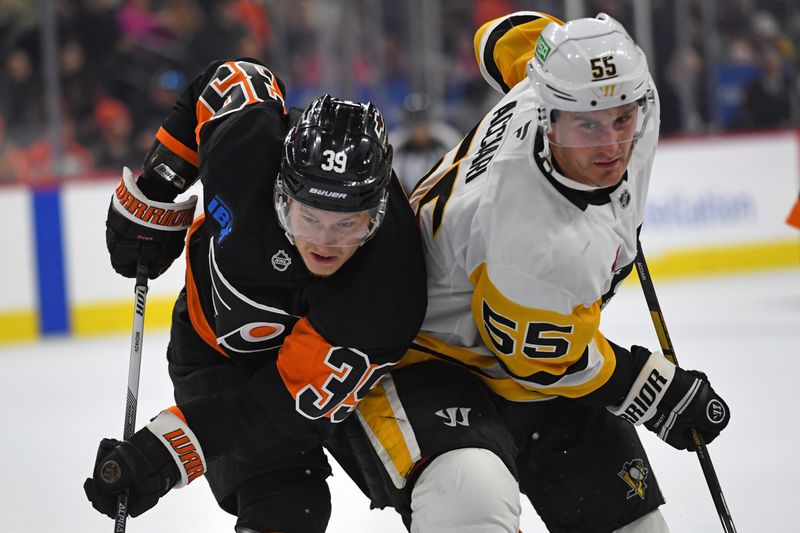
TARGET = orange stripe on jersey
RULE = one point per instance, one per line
(794, 216)
(301, 355)
(325, 381)
(196, 316)
(240, 77)
(275, 92)
(175, 410)
(203, 114)
(177, 146)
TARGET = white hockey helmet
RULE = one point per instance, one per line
(589, 65)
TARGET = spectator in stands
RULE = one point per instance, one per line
(139, 22)
(95, 27)
(114, 147)
(22, 97)
(38, 162)
(9, 157)
(767, 101)
(78, 86)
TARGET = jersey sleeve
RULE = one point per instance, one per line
(504, 46)
(224, 88)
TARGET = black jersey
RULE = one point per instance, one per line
(314, 345)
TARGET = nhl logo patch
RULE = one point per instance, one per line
(625, 198)
(281, 261)
(634, 473)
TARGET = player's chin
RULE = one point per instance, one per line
(608, 174)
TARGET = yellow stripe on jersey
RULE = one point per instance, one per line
(389, 431)
(427, 348)
(543, 350)
(504, 46)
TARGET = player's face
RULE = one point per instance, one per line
(595, 147)
(326, 239)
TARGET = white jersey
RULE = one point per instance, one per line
(520, 259)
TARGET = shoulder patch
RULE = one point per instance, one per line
(222, 215)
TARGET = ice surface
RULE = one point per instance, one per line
(59, 397)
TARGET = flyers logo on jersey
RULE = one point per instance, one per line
(244, 325)
(252, 337)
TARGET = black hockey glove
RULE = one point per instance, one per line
(162, 455)
(140, 229)
(669, 400)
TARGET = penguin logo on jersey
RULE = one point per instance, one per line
(634, 473)
(281, 261)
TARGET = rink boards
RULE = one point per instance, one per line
(716, 205)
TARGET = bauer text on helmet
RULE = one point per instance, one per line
(337, 162)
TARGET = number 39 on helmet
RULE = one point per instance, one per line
(590, 64)
(337, 158)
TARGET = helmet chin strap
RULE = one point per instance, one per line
(544, 127)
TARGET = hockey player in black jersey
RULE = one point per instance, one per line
(305, 283)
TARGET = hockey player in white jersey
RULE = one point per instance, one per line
(529, 225)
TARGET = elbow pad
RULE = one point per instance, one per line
(165, 174)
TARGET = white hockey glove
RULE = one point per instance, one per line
(669, 400)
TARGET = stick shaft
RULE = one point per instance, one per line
(134, 370)
(669, 352)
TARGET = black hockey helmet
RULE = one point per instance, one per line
(336, 158)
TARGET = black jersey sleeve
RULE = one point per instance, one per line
(223, 89)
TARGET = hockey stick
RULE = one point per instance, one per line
(669, 352)
(134, 367)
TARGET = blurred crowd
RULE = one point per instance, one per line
(121, 64)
